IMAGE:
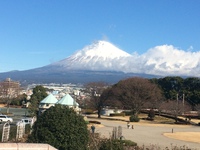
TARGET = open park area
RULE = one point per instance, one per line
(145, 133)
(157, 136)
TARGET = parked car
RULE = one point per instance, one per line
(25, 121)
(5, 118)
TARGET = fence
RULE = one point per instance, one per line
(15, 132)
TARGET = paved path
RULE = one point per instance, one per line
(147, 134)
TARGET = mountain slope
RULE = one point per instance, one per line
(99, 56)
(100, 61)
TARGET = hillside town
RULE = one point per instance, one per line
(11, 89)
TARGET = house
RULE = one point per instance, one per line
(67, 100)
(47, 102)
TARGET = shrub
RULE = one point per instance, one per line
(151, 114)
(128, 113)
(107, 144)
(87, 122)
(116, 144)
(94, 121)
(117, 114)
(129, 143)
(62, 128)
(134, 118)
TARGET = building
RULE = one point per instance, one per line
(47, 102)
(9, 88)
(50, 101)
(67, 100)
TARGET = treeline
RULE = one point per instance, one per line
(177, 88)
(139, 93)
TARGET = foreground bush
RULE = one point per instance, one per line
(62, 128)
(98, 143)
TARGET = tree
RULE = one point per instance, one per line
(39, 93)
(96, 89)
(175, 108)
(62, 128)
(170, 86)
(135, 92)
(175, 87)
(8, 90)
(192, 91)
(19, 100)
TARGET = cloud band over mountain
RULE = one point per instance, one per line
(161, 60)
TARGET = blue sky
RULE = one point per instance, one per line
(35, 33)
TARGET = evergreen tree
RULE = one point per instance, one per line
(62, 128)
(39, 93)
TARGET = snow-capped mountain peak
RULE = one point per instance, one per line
(100, 55)
(103, 49)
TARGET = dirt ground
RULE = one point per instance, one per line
(2, 105)
(185, 136)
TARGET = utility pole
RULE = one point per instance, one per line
(183, 103)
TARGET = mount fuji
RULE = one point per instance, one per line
(99, 56)
(103, 61)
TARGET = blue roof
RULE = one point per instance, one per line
(67, 100)
(50, 99)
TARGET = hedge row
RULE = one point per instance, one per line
(118, 114)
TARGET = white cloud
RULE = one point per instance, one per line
(169, 60)
(160, 60)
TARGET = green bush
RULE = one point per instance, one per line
(16, 102)
(151, 114)
(128, 113)
(129, 143)
(116, 144)
(62, 128)
(108, 144)
(134, 118)
(87, 122)
(117, 114)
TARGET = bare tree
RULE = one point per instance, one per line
(135, 92)
(96, 89)
(175, 108)
(9, 89)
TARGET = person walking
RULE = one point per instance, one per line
(132, 126)
(128, 125)
(93, 128)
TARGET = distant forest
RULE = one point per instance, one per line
(177, 88)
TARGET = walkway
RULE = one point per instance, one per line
(149, 134)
